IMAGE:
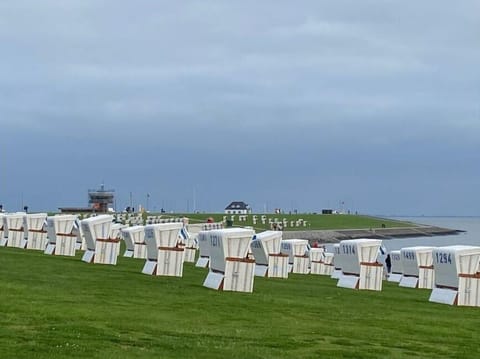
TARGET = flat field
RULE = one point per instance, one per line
(61, 307)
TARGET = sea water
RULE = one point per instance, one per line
(471, 236)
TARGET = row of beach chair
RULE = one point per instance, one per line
(234, 256)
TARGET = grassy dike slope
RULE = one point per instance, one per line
(314, 221)
(60, 307)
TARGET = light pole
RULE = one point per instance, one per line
(194, 200)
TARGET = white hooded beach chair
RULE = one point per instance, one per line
(116, 233)
(35, 230)
(134, 238)
(194, 229)
(298, 257)
(61, 240)
(78, 232)
(101, 249)
(116, 230)
(189, 244)
(326, 264)
(269, 261)
(457, 277)
(230, 269)
(16, 231)
(164, 256)
(360, 269)
(397, 267)
(203, 242)
(338, 259)
(213, 225)
(417, 263)
(316, 260)
(185, 242)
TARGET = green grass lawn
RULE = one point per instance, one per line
(314, 221)
(60, 307)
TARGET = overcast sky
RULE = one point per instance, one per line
(282, 104)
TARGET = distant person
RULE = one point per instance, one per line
(388, 263)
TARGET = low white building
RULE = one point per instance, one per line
(238, 208)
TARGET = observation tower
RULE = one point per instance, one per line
(100, 199)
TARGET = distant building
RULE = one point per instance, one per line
(99, 200)
(238, 208)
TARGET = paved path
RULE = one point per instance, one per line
(333, 236)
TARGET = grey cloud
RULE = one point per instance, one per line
(294, 105)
